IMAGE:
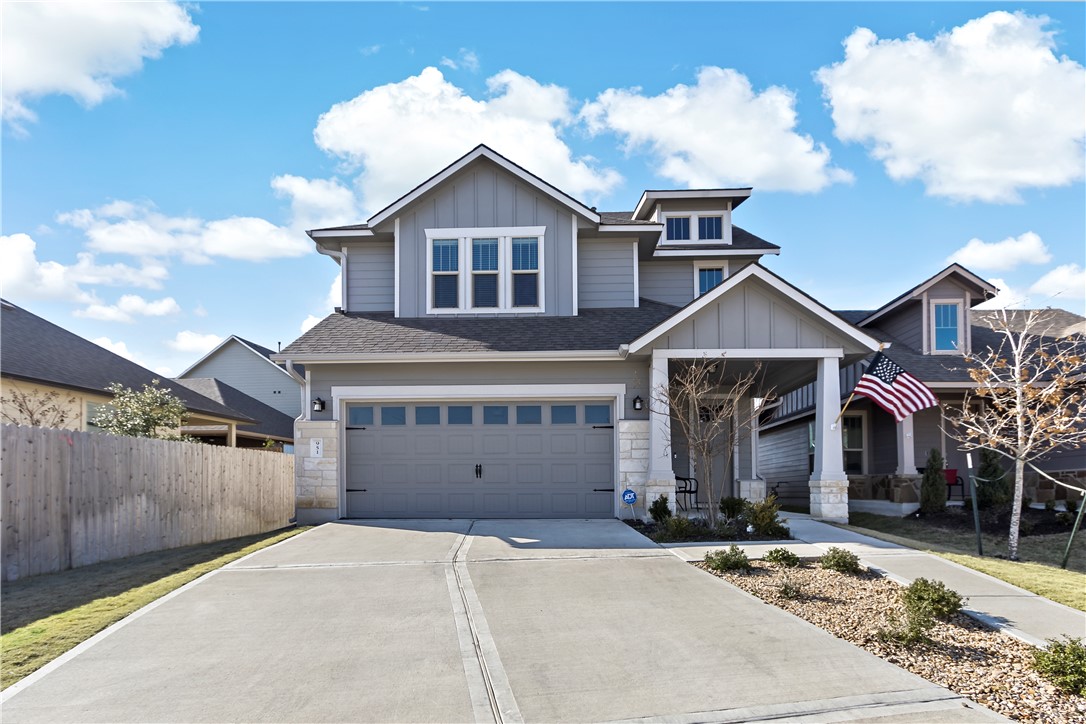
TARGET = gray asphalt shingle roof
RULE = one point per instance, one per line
(36, 350)
(382, 333)
(271, 421)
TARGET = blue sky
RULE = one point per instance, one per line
(161, 162)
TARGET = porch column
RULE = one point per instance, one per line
(906, 447)
(829, 484)
(661, 478)
(232, 435)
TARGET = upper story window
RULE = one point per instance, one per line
(678, 228)
(708, 275)
(694, 226)
(946, 327)
(485, 270)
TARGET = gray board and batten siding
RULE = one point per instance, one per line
(481, 196)
(605, 273)
(371, 277)
(253, 374)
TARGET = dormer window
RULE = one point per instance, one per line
(694, 226)
(485, 270)
(678, 228)
(710, 228)
(946, 327)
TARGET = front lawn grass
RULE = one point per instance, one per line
(1037, 571)
(44, 616)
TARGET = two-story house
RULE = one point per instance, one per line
(500, 348)
(929, 330)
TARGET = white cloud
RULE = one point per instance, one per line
(123, 227)
(200, 311)
(977, 113)
(1067, 281)
(370, 50)
(188, 341)
(402, 132)
(1008, 297)
(466, 59)
(1003, 255)
(717, 132)
(129, 306)
(118, 348)
(309, 323)
(317, 203)
(79, 48)
(23, 276)
(164, 370)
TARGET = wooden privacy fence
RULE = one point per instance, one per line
(75, 498)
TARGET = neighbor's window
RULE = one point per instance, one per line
(678, 228)
(945, 328)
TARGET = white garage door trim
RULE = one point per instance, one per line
(341, 395)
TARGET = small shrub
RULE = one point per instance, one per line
(789, 588)
(1072, 505)
(660, 510)
(933, 485)
(1025, 527)
(840, 560)
(764, 519)
(1063, 663)
(1050, 505)
(910, 630)
(1064, 518)
(676, 528)
(1026, 502)
(932, 596)
(731, 508)
(993, 487)
(781, 557)
(731, 559)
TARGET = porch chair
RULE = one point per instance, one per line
(686, 493)
(953, 480)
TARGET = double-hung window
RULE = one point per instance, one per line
(945, 327)
(485, 270)
(708, 275)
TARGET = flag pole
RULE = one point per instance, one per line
(849, 400)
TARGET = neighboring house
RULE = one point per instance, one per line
(499, 347)
(38, 358)
(247, 366)
(929, 331)
(273, 429)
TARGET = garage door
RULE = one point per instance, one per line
(480, 460)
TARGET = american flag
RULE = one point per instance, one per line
(893, 389)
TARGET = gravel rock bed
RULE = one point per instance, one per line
(980, 663)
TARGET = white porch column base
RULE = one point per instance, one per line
(316, 479)
(829, 500)
(633, 471)
(752, 490)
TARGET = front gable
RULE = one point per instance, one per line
(757, 310)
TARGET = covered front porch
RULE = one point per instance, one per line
(754, 322)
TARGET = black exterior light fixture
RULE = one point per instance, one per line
(318, 405)
(638, 403)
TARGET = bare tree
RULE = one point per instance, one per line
(1030, 389)
(714, 412)
(39, 409)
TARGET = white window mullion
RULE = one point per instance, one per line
(465, 273)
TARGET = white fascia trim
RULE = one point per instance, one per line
(636, 278)
(340, 233)
(733, 281)
(952, 385)
(630, 228)
(650, 197)
(925, 286)
(396, 270)
(576, 270)
(556, 356)
(481, 152)
(764, 353)
(350, 393)
(343, 276)
(712, 252)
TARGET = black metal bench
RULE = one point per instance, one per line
(686, 493)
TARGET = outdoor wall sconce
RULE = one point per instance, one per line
(318, 405)
(638, 403)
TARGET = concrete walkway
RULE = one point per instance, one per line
(471, 621)
(1020, 613)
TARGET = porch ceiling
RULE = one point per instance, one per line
(780, 375)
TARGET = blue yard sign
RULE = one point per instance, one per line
(629, 497)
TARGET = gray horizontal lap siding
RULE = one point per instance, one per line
(905, 324)
(246, 371)
(633, 374)
(370, 278)
(784, 462)
(605, 274)
(670, 282)
(486, 196)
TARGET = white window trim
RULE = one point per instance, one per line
(505, 236)
(725, 226)
(932, 303)
(721, 264)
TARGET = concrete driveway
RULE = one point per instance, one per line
(460, 621)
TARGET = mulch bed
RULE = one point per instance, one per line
(998, 521)
(980, 663)
(697, 533)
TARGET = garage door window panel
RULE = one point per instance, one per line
(529, 415)
(597, 414)
(358, 416)
(428, 415)
(393, 416)
(495, 415)
(460, 415)
(563, 414)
